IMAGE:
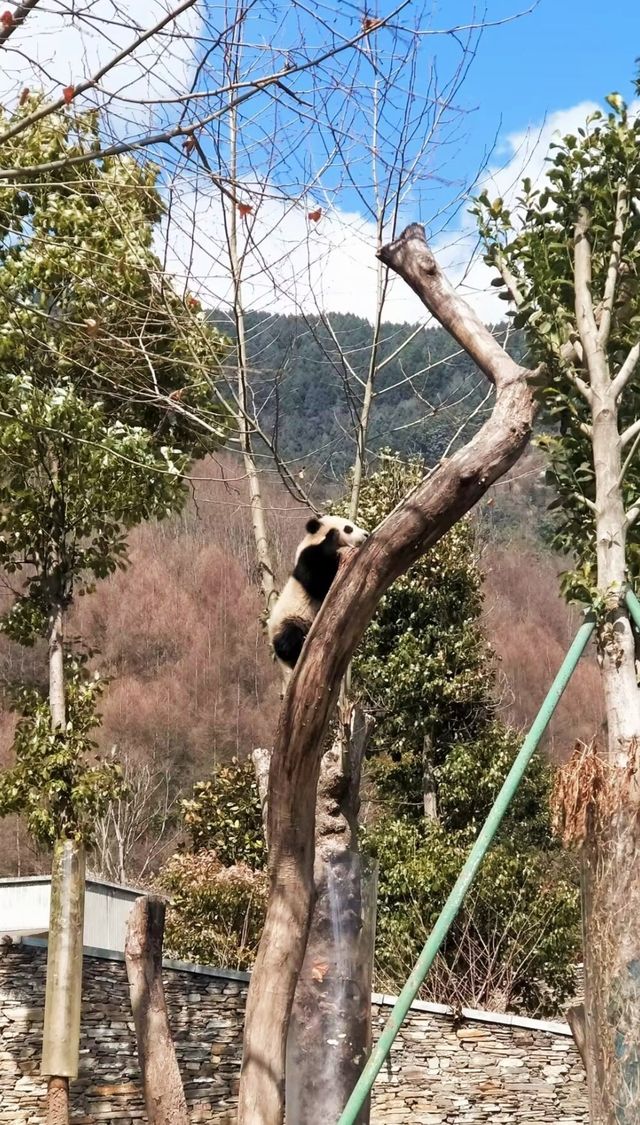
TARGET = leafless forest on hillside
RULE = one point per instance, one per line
(192, 682)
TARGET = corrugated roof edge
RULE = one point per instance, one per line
(17, 881)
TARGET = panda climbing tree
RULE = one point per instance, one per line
(316, 566)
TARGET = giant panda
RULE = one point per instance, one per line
(316, 565)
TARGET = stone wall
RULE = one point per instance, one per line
(484, 1068)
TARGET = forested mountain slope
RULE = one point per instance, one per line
(306, 375)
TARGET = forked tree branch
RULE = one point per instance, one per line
(622, 210)
(594, 354)
(415, 525)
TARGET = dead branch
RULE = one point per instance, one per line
(163, 1092)
(419, 522)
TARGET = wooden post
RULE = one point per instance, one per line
(163, 1091)
(61, 1039)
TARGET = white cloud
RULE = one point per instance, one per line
(294, 264)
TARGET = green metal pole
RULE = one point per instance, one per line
(633, 605)
(451, 907)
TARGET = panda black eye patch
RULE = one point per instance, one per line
(348, 529)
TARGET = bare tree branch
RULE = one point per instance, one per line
(186, 131)
(18, 16)
(626, 371)
(90, 83)
(622, 210)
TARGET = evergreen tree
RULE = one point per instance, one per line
(439, 756)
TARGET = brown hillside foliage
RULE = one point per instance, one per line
(192, 681)
(530, 628)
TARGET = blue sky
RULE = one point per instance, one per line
(564, 53)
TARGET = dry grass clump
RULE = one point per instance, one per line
(589, 791)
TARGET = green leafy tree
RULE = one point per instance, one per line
(103, 371)
(59, 784)
(102, 365)
(218, 887)
(568, 256)
(223, 814)
(439, 756)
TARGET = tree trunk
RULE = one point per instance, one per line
(57, 703)
(330, 1032)
(163, 1091)
(419, 522)
(611, 855)
(61, 1041)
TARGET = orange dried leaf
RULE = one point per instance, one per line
(315, 215)
(245, 209)
(68, 93)
(189, 144)
(24, 95)
(369, 24)
(7, 19)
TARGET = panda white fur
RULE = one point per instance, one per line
(316, 565)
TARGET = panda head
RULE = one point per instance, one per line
(344, 533)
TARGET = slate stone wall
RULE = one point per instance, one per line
(439, 1073)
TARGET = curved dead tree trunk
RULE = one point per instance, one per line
(419, 522)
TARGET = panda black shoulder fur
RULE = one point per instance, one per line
(316, 565)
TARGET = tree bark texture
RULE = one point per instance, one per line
(407, 533)
(58, 1101)
(330, 1030)
(163, 1091)
(611, 854)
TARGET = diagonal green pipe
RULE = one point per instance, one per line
(633, 605)
(451, 907)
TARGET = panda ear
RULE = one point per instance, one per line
(313, 525)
